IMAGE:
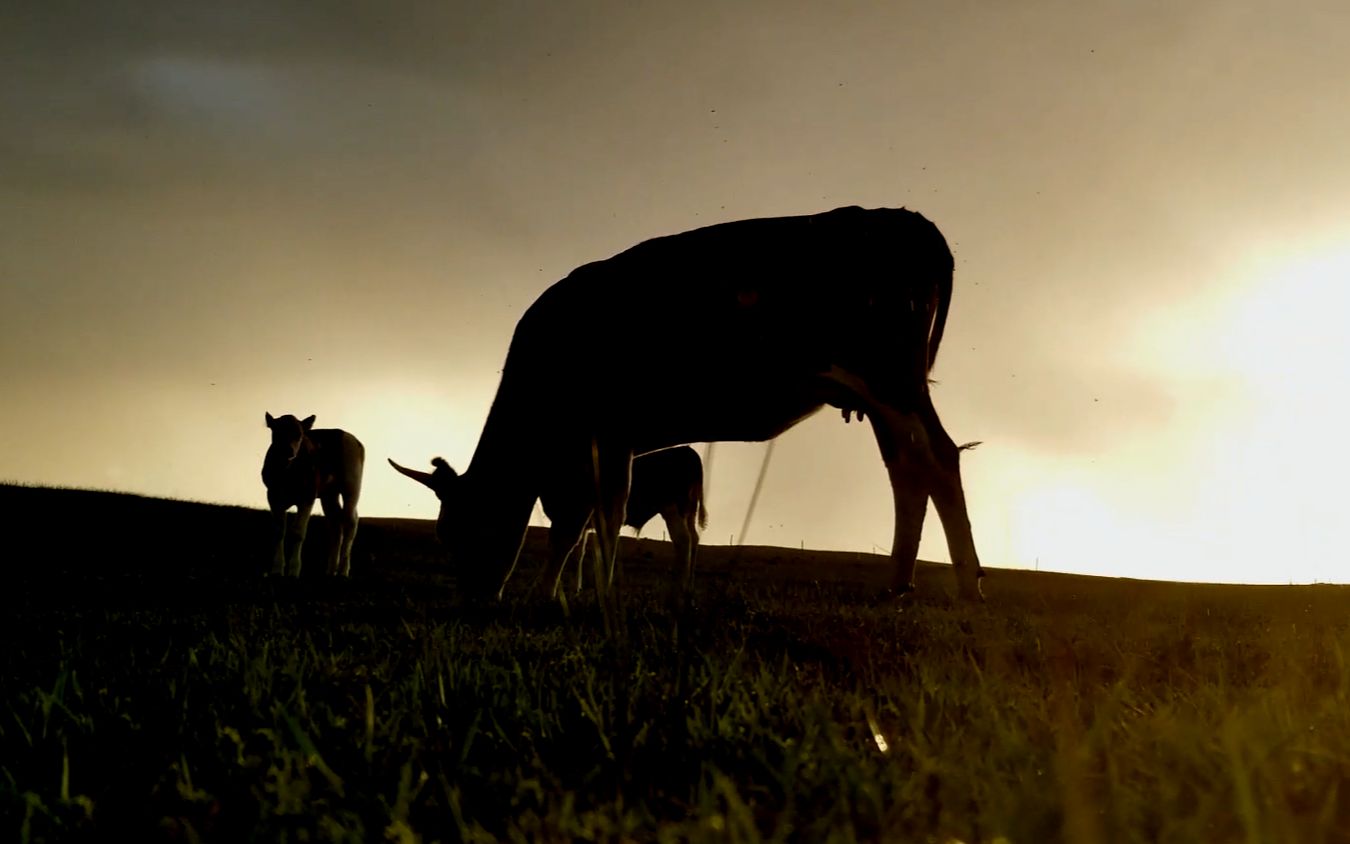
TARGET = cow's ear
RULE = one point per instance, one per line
(308, 423)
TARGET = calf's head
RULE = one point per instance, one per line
(288, 436)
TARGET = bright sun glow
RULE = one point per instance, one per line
(1248, 481)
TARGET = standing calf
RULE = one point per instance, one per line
(668, 482)
(304, 463)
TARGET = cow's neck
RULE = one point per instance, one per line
(278, 463)
(501, 478)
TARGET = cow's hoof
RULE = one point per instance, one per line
(900, 592)
(971, 594)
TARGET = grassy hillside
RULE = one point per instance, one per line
(153, 683)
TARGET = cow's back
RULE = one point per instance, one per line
(339, 458)
(738, 312)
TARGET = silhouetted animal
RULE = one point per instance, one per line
(754, 325)
(304, 463)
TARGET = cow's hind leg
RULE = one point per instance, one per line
(350, 520)
(949, 498)
(915, 445)
(909, 491)
(691, 531)
(351, 494)
(921, 460)
(683, 535)
(332, 514)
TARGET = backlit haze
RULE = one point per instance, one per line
(213, 211)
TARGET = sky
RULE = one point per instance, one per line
(213, 211)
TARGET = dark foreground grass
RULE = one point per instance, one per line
(219, 707)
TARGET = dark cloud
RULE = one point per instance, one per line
(76, 33)
(108, 95)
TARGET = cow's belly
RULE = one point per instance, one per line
(749, 416)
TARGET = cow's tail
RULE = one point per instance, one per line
(943, 295)
(702, 511)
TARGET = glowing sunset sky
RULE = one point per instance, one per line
(212, 211)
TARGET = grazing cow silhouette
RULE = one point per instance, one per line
(304, 463)
(756, 325)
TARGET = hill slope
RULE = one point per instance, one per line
(152, 685)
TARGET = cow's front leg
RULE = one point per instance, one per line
(300, 526)
(566, 539)
(613, 467)
(279, 545)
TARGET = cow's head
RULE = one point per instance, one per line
(288, 436)
(461, 534)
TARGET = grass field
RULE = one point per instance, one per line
(152, 683)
